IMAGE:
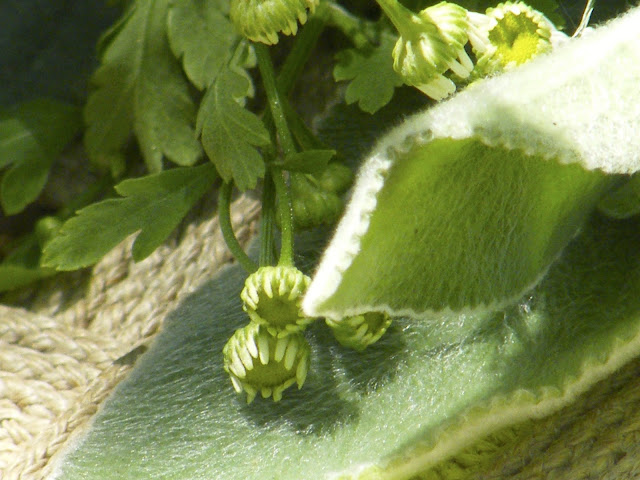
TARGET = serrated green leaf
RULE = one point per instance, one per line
(230, 133)
(153, 205)
(308, 161)
(140, 86)
(203, 37)
(32, 136)
(370, 69)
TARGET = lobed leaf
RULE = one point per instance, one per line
(230, 133)
(203, 37)
(32, 136)
(371, 74)
(152, 205)
(140, 86)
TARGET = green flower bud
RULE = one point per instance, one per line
(360, 331)
(514, 34)
(46, 228)
(262, 20)
(272, 297)
(256, 361)
(335, 178)
(431, 43)
(312, 204)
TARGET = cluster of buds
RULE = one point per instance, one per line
(316, 199)
(270, 354)
(431, 54)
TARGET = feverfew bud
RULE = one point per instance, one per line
(262, 20)
(360, 331)
(272, 297)
(258, 362)
(431, 43)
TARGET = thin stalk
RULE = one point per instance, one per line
(361, 32)
(399, 15)
(273, 96)
(301, 51)
(286, 219)
(268, 219)
(224, 217)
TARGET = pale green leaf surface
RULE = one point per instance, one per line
(203, 37)
(230, 133)
(464, 225)
(152, 205)
(469, 202)
(442, 383)
(32, 136)
(370, 71)
(140, 86)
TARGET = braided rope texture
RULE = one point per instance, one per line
(59, 358)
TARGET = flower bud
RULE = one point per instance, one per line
(262, 20)
(272, 297)
(431, 43)
(258, 362)
(514, 33)
(360, 331)
(312, 204)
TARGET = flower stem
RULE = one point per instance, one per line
(273, 96)
(224, 216)
(268, 218)
(301, 51)
(286, 219)
(399, 15)
(361, 32)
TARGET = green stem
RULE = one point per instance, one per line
(286, 219)
(306, 40)
(224, 216)
(399, 15)
(267, 221)
(273, 96)
(361, 32)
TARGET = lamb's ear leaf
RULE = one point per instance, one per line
(463, 224)
(402, 407)
(467, 205)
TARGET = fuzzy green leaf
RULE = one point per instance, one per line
(403, 407)
(470, 202)
(152, 205)
(32, 136)
(370, 69)
(624, 201)
(229, 132)
(203, 37)
(140, 86)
